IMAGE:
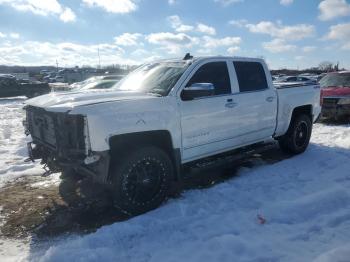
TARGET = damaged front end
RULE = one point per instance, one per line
(61, 141)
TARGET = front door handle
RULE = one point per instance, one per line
(270, 99)
(230, 104)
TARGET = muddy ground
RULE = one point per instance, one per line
(45, 207)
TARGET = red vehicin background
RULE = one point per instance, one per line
(335, 95)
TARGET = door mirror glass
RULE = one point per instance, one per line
(197, 90)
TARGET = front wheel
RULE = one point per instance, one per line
(297, 138)
(141, 179)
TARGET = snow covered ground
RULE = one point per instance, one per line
(13, 151)
(303, 204)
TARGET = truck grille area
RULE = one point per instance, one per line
(42, 127)
(61, 133)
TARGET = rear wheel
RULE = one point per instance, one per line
(297, 138)
(141, 179)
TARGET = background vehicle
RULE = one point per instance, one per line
(7, 76)
(290, 79)
(99, 84)
(335, 95)
(50, 77)
(137, 137)
(10, 87)
(95, 82)
(96, 79)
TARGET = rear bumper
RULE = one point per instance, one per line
(335, 110)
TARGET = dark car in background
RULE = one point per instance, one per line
(10, 87)
(335, 95)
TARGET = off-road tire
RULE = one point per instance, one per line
(141, 179)
(297, 138)
(70, 173)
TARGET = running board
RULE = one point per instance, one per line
(229, 157)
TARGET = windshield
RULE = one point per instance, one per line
(158, 78)
(336, 80)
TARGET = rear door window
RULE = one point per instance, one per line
(251, 76)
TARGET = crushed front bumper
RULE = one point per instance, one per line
(97, 169)
(60, 141)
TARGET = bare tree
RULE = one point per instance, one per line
(325, 66)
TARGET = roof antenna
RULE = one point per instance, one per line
(188, 56)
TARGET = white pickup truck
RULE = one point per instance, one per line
(137, 136)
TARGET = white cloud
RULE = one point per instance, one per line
(233, 50)
(330, 9)
(176, 43)
(113, 6)
(172, 43)
(308, 49)
(68, 15)
(128, 39)
(177, 24)
(140, 52)
(239, 23)
(14, 35)
(294, 32)
(184, 28)
(210, 42)
(169, 38)
(346, 46)
(228, 2)
(206, 29)
(44, 8)
(172, 2)
(341, 34)
(286, 2)
(2, 35)
(278, 46)
(37, 7)
(67, 54)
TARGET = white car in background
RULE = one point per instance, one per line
(95, 79)
(99, 84)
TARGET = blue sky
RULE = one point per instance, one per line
(287, 33)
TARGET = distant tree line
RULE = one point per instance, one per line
(323, 67)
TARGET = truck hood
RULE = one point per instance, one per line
(64, 101)
(335, 91)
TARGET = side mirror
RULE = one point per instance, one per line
(197, 90)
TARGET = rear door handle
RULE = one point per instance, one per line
(270, 99)
(230, 104)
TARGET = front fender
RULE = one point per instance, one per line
(122, 117)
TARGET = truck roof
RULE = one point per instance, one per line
(200, 58)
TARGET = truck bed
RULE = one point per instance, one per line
(293, 95)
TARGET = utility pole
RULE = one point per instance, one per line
(99, 58)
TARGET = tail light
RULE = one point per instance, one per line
(321, 97)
